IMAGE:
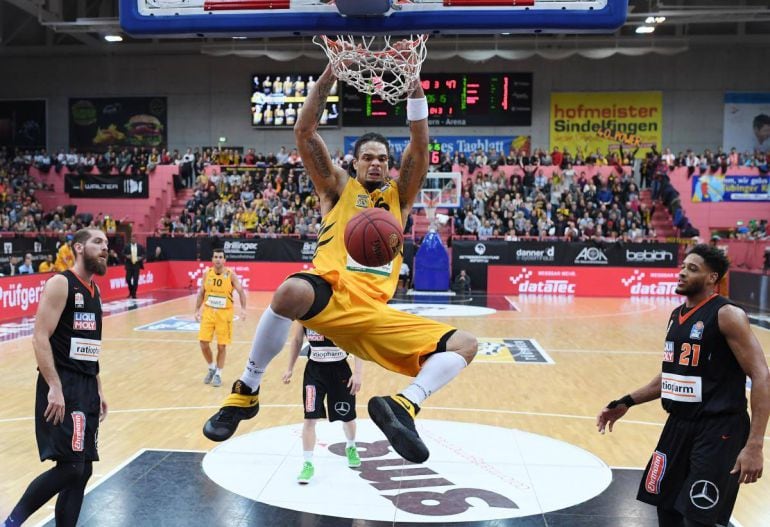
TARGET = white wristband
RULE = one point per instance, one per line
(417, 109)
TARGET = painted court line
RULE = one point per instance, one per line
(362, 406)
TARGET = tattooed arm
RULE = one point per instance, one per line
(414, 161)
(328, 179)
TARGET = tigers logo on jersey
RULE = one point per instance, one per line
(696, 333)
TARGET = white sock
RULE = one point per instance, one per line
(269, 340)
(213, 366)
(350, 443)
(439, 369)
(308, 455)
(218, 371)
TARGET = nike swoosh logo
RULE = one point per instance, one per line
(407, 406)
(725, 437)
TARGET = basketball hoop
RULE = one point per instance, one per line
(374, 65)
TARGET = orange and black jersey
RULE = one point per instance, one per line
(700, 376)
(77, 340)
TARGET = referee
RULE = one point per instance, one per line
(69, 403)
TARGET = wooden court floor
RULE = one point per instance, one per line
(602, 348)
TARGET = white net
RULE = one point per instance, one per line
(376, 65)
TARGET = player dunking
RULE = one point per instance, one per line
(347, 303)
(69, 403)
(708, 445)
(216, 297)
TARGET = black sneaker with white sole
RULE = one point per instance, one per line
(394, 415)
(242, 403)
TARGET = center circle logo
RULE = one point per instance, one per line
(510, 474)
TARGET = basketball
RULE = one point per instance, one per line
(373, 237)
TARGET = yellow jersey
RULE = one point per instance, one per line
(331, 259)
(65, 258)
(218, 289)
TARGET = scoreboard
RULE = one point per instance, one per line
(454, 99)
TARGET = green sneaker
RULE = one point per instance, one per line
(306, 474)
(353, 460)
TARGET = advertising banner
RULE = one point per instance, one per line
(176, 248)
(255, 276)
(38, 247)
(711, 188)
(259, 249)
(619, 254)
(113, 285)
(23, 123)
(20, 295)
(96, 123)
(466, 144)
(746, 122)
(626, 282)
(98, 186)
(603, 121)
(475, 256)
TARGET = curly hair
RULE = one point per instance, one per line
(715, 258)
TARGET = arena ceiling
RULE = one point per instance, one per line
(78, 27)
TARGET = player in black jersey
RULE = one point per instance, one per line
(327, 378)
(69, 403)
(708, 445)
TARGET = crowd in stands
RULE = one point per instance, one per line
(271, 200)
(272, 195)
(566, 205)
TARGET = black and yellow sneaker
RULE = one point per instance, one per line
(242, 403)
(394, 415)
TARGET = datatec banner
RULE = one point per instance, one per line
(625, 282)
(476, 256)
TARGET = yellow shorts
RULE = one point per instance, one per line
(216, 321)
(374, 331)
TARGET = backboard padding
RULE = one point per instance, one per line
(186, 18)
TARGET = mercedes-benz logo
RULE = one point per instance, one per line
(342, 408)
(704, 494)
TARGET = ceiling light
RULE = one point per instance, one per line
(660, 19)
(649, 20)
(239, 38)
(113, 38)
(643, 30)
(506, 34)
